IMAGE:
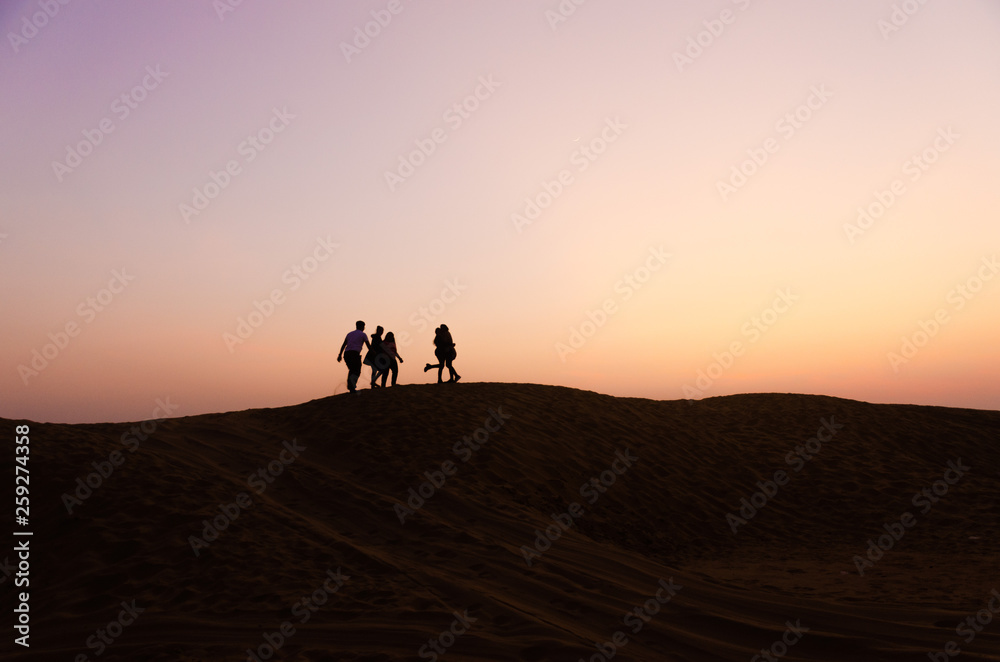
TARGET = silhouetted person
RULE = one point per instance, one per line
(450, 353)
(389, 356)
(438, 354)
(354, 342)
(444, 351)
(374, 354)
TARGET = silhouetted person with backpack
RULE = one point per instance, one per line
(354, 342)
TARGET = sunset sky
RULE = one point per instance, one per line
(606, 198)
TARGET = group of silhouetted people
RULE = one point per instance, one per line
(382, 355)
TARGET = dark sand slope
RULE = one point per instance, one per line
(664, 517)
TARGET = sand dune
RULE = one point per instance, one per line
(323, 524)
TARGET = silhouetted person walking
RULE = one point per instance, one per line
(354, 342)
(373, 358)
(388, 357)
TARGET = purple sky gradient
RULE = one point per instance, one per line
(524, 289)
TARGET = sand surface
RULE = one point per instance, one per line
(672, 472)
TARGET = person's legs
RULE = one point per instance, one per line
(395, 371)
(353, 361)
(453, 375)
(440, 363)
